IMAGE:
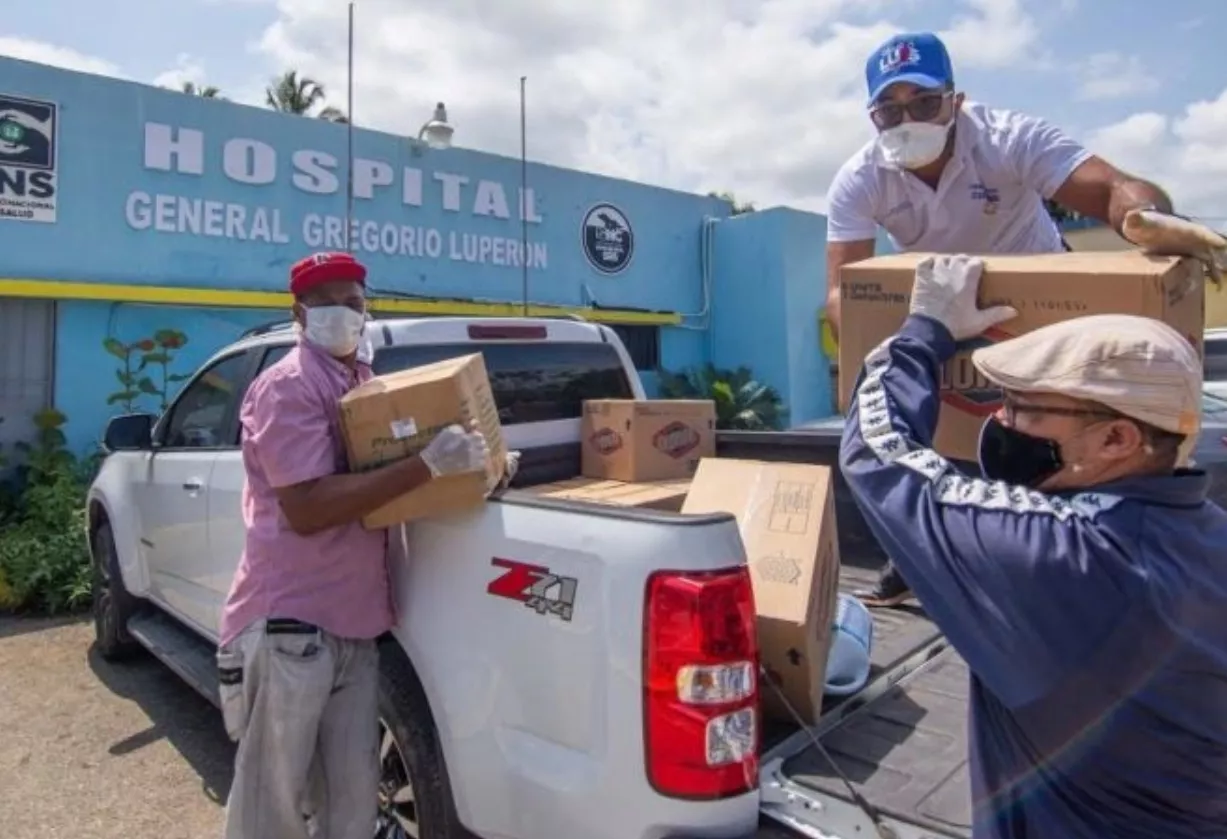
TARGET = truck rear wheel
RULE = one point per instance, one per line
(113, 605)
(415, 795)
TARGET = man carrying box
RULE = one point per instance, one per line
(948, 176)
(297, 663)
(1083, 582)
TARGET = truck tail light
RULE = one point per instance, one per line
(700, 684)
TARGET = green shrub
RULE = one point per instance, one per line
(44, 556)
(742, 402)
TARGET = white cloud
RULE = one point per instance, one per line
(1185, 154)
(44, 53)
(1111, 75)
(186, 69)
(997, 33)
(762, 97)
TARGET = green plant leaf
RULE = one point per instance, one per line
(146, 385)
(155, 358)
(124, 377)
(115, 348)
(178, 377)
(122, 396)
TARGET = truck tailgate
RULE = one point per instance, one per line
(906, 754)
(902, 742)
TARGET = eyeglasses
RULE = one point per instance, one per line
(921, 108)
(1011, 408)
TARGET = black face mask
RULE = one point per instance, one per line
(1017, 458)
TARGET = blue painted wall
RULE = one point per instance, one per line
(158, 188)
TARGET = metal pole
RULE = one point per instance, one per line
(523, 198)
(349, 136)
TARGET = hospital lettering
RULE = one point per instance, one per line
(254, 163)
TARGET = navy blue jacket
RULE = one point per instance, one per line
(1094, 624)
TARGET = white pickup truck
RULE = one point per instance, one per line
(541, 681)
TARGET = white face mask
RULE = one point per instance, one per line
(337, 329)
(912, 145)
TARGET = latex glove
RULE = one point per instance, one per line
(455, 450)
(509, 471)
(1168, 235)
(945, 290)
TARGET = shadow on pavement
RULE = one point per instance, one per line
(177, 713)
(14, 626)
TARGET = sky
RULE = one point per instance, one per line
(763, 98)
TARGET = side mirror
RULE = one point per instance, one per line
(129, 432)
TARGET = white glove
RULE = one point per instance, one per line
(1167, 235)
(509, 471)
(945, 290)
(455, 450)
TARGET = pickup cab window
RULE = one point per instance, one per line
(202, 415)
(531, 382)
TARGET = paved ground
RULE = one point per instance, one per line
(104, 751)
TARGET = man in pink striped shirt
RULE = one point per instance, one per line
(297, 662)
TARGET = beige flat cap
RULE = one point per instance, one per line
(1138, 366)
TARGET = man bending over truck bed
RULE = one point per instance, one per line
(1084, 580)
(948, 176)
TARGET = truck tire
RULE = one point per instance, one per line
(113, 605)
(415, 795)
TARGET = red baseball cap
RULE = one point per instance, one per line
(325, 267)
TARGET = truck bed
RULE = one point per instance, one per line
(902, 741)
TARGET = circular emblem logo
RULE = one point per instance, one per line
(608, 241)
(11, 132)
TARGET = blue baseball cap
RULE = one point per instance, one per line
(916, 57)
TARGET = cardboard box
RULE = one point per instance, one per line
(786, 514)
(1045, 288)
(652, 495)
(396, 415)
(648, 440)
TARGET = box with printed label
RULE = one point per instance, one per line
(786, 515)
(1044, 288)
(396, 415)
(646, 440)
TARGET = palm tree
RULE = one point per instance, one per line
(203, 91)
(294, 94)
(738, 207)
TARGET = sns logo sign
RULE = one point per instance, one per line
(963, 387)
(28, 180)
(676, 440)
(903, 54)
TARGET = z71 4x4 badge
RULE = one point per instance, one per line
(536, 587)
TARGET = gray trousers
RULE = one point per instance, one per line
(303, 708)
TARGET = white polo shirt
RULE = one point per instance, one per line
(989, 198)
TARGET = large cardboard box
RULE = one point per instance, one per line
(651, 495)
(396, 415)
(1045, 289)
(646, 440)
(786, 514)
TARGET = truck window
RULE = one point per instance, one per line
(201, 415)
(531, 382)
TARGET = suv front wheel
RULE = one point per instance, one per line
(113, 605)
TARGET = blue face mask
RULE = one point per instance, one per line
(1009, 455)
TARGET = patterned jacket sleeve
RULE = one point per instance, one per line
(1023, 584)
